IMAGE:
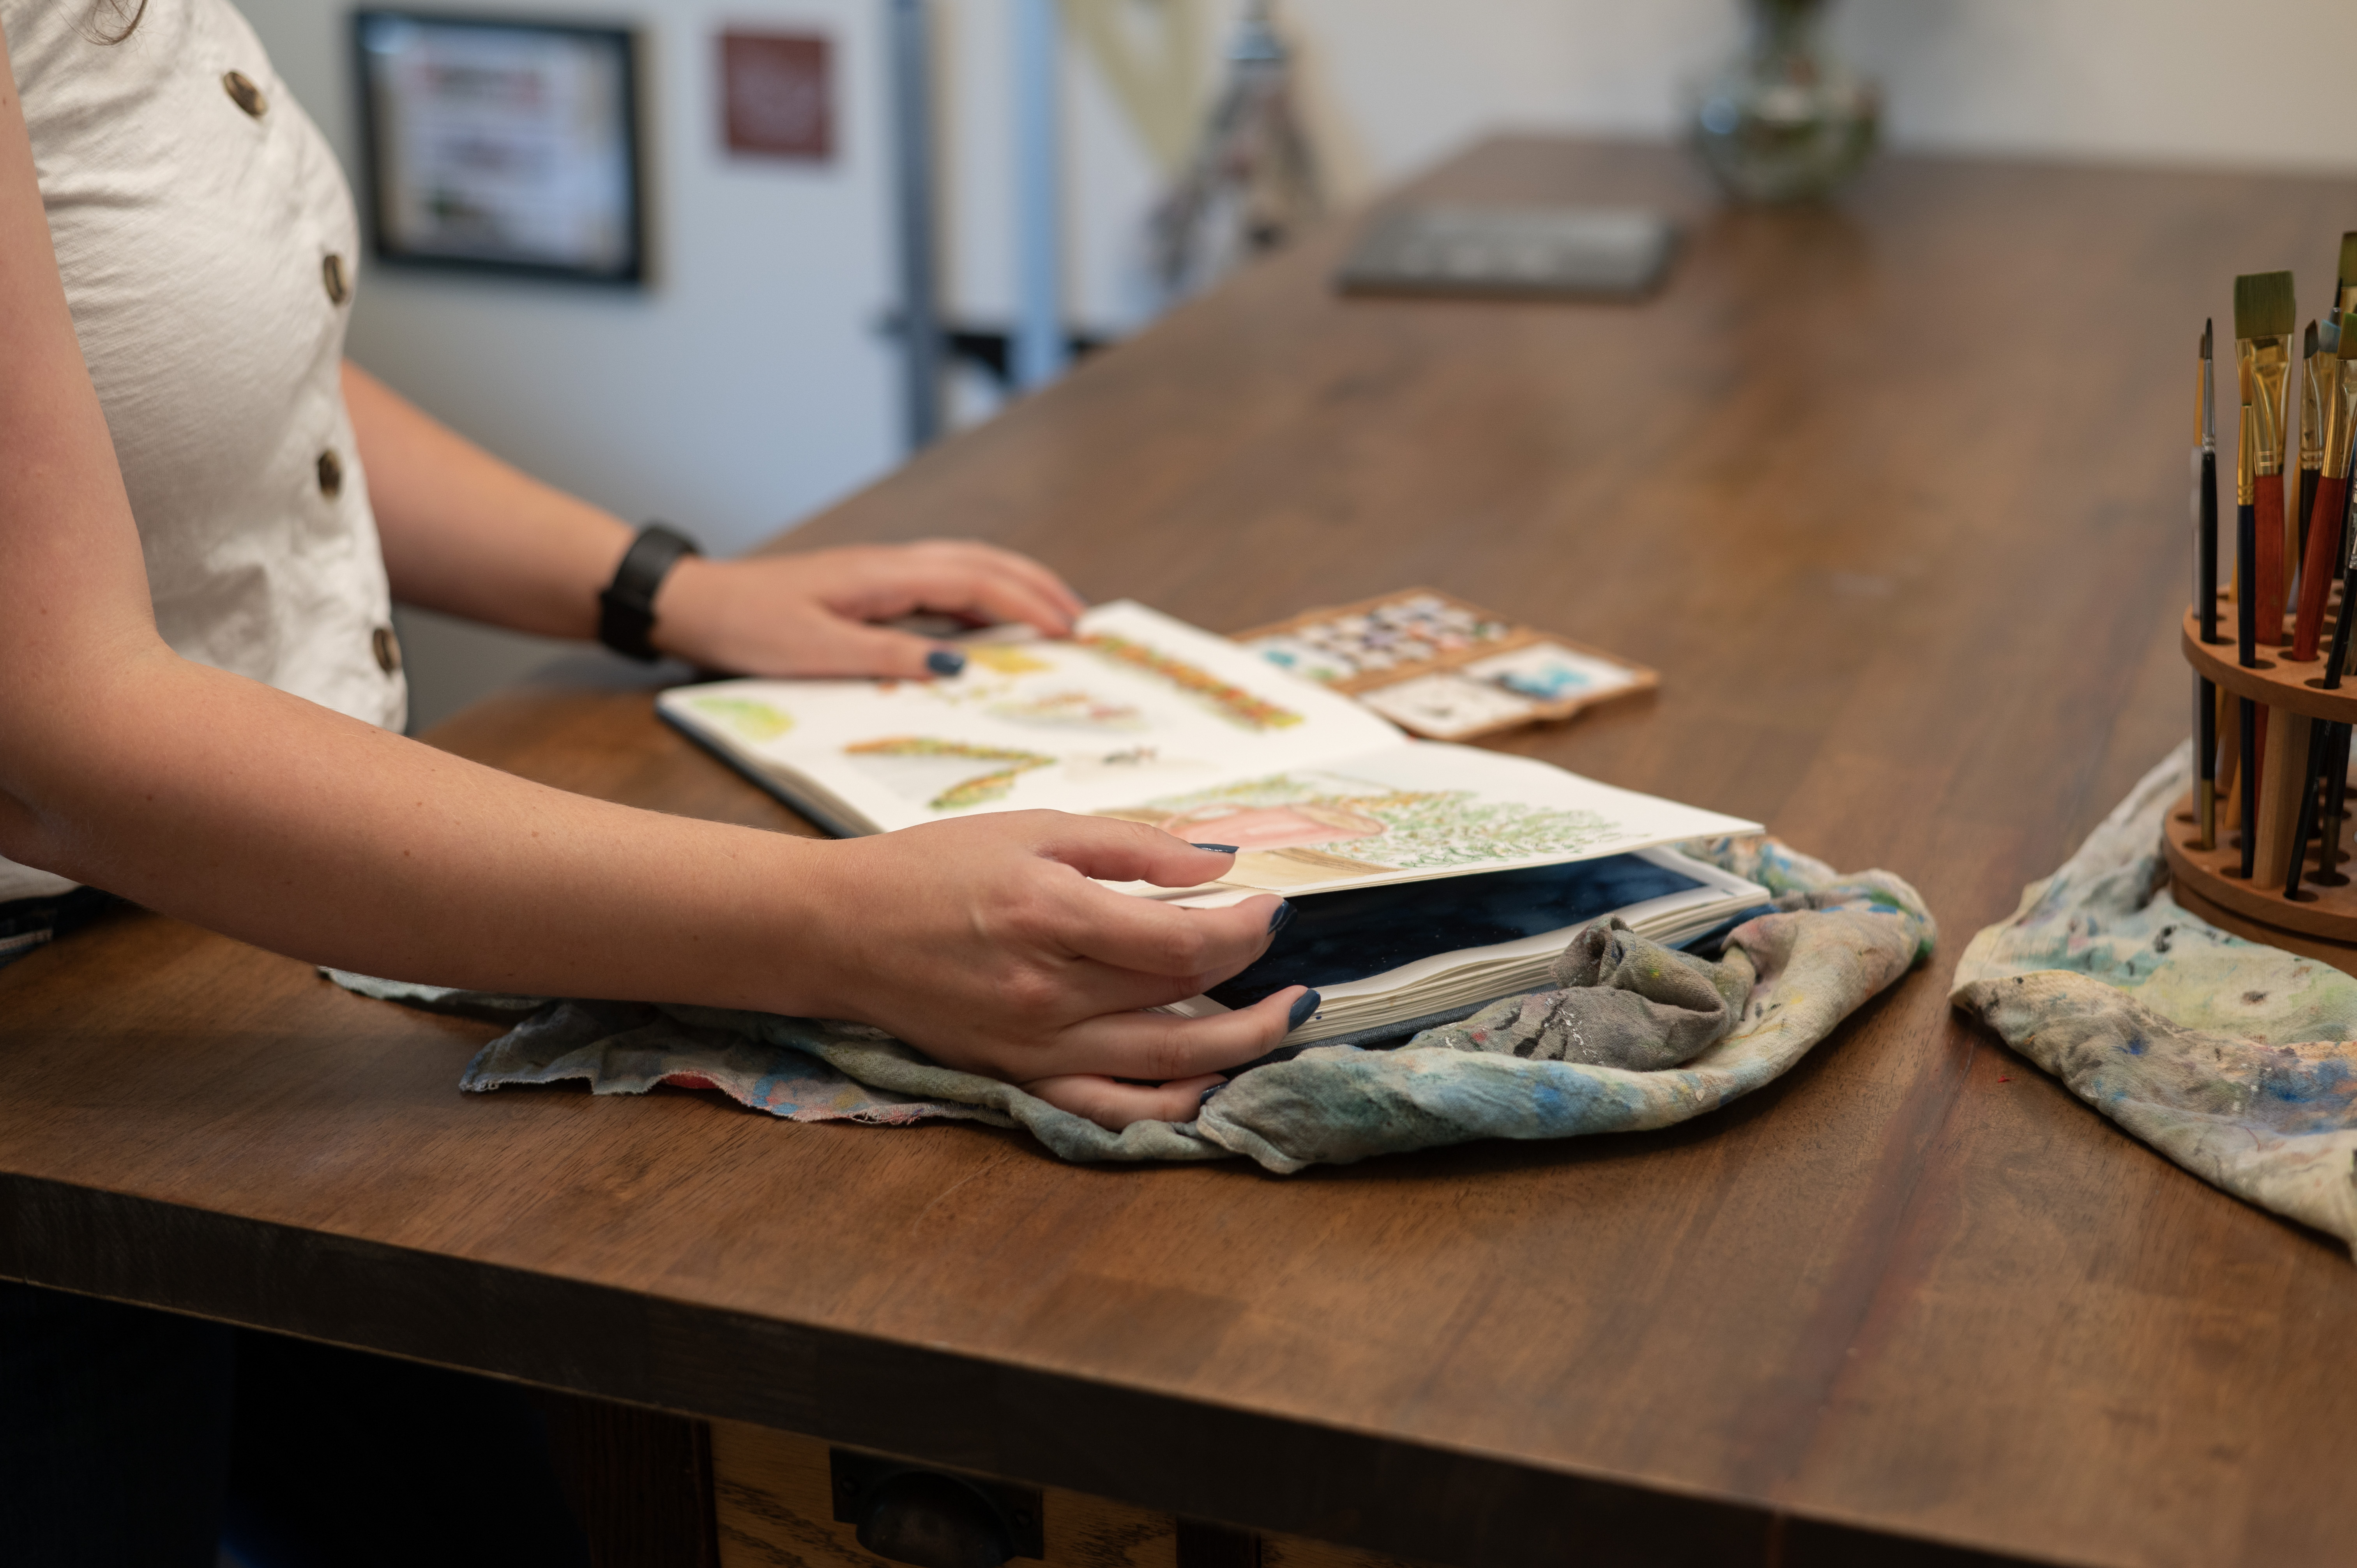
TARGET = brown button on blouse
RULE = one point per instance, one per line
(247, 96)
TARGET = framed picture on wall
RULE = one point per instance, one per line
(502, 145)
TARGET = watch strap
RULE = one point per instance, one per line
(626, 610)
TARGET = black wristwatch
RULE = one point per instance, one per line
(625, 610)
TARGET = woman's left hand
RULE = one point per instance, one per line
(811, 614)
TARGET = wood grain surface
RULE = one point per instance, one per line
(1893, 495)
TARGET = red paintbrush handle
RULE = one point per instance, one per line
(2268, 566)
(2317, 572)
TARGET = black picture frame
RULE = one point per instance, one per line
(388, 204)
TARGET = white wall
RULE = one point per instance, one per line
(2257, 82)
(749, 386)
(1388, 86)
(747, 383)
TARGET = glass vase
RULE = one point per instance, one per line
(1784, 120)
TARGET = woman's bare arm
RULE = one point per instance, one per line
(220, 799)
(470, 535)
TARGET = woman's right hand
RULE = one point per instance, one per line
(984, 943)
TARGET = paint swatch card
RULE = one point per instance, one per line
(1443, 669)
(1449, 706)
(1549, 672)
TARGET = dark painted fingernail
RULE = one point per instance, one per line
(1303, 1005)
(1280, 918)
(944, 661)
(1215, 1089)
(1215, 848)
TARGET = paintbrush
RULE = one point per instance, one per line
(2265, 315)
(2205, 491)
(2336, 658)
(2311, 445)
(2336, 665)
(2243, 763)
(2337, 401)
(2336, 793)
(2342, 314)
(2241, 768)
(2330, 769)
(2341, 387)
(2344, 302)
(2338, 397)
(2205, 585)
(2205, 756)
(2304, 827)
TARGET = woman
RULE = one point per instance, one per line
(204, 514)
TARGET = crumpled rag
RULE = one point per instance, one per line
(1634, 1036)
(2234, 1059)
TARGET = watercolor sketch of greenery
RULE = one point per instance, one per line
(996, 767)
(1423, 830)
(756, 721)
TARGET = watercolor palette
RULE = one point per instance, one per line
(1443, 669)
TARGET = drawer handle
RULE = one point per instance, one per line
(932, 1521)
(910, 1512)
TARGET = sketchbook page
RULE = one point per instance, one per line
(1134, 705)
(1413, 811)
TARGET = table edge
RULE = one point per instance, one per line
(1279, 1473)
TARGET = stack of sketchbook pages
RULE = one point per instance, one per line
(1426, 879)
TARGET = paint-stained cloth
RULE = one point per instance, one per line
(1632, 1036)
(2234, 1059)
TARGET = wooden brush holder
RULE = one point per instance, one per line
(2321, 923)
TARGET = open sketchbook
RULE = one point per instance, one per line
(1143, 717)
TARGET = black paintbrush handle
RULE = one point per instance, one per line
(2205, 550)
(2337, 786)
(2249, 713)
(2338, 660)
(2246, 585)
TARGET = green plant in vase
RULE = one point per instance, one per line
(1784, 120)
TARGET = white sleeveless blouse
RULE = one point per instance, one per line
(208, 249)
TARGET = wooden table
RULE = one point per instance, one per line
(1893, 497)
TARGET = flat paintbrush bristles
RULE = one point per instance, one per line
(2348, 275)
(2205, 334)
(2265, 306)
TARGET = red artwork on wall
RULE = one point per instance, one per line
(777, 97)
